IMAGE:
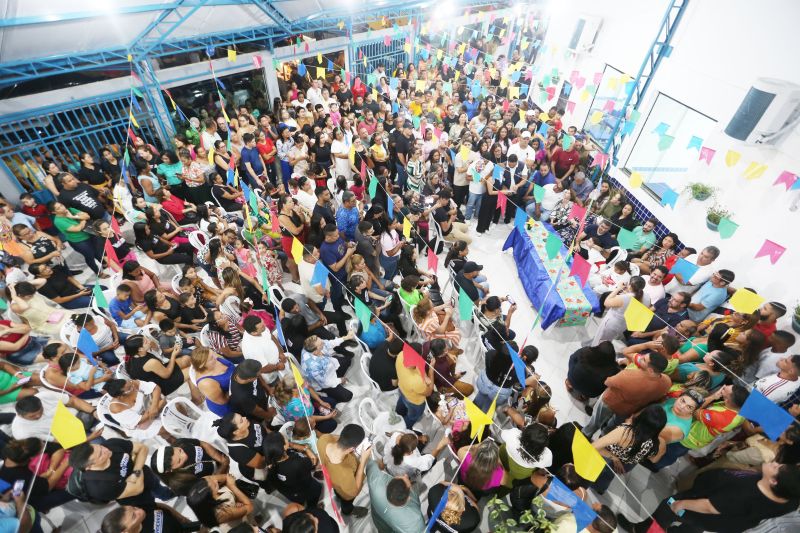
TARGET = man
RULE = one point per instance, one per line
(368, 247)
(130, 519)
(382, 368)
(565, 163)
(522, 149)
(779, 343)
(461, 179)
(319, 292)
(450, 118)
(654, 287)
(519, 186)
(404, 145)
(544, 176)
(704, 262)
(60, 287)
(718, 415)
(668, 314)
(727, 500)
(645, 237)
(779, 387)
(581, 188)
(768, 317)
(314, 93)
(248, 392)
(322, 208)
(348, 216)
(82, 197)
(628, 392)
(466, 280)
(334, 253)
(664, 344)
(596, 237)
(345, 468)
(252, 162)
(209, 136)
(313, 318)
(605, 522)
(394, 502)
(553, 194)
(445, 214)
(259, 345)
(711, 295)
(115, 470)
(414, 389)
(35, 414)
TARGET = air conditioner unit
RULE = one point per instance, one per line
(769, 111)
(584, 34)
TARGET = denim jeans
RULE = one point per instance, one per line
(90, 252)
(389, 265)
(473, 205)
(402, 176)
(28, 353)
(487, 391)
(530, 209)
(78, 303)
(675, 451)
(481, 280)
(602, 418)
(410, 412)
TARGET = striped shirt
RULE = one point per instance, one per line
(776, 388)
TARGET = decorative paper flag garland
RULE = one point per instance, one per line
(637, 315)
(772, 250)
(746, 301)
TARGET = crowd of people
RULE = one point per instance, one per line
(204, 283)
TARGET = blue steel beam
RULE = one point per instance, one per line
(162, 27)
(273, 13)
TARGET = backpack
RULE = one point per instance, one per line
(76, 485)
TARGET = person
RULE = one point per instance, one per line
(248, 393)
(768, 316)
(445, 214)
(497, 379)
(347, 471)
(36, 408)
(727, 500)
(212, 376)
(348, 216)
(710, 295)
(705, 261)
(323, 370)
(629, 391)
(334, 253)
(436, 322)
(644, 237)
(781, 386)
(183, 463)
(37, 246)
(44, 490)
(391, 244)
(216, 500)
(259, 345)
(597, 238)
(131, 519)
(778, 346)
(122, 310)
(414, 388)
(461, 512)
(291, 466)
(295, 404)
(61, 287)
(394, 502)
(402, 457)
(588, 369)
(668, 313)
(524, 450)
(136, 407)
(382, 369)
(654, 288)
(613, 323)
(481, 470)
(657, 255)
(245, 440)
(580, 187)
(104, 333)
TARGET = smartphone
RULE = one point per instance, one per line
(671, 501)
(510, 300)
(23, 380)
(18, 485)
(366, 443)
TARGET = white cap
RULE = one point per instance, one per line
(530, 112)
(526, 134)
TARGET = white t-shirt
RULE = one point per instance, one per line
(702, 275)
(415, 460)
(314, 95)
(208, 140)
(263, 350)
(523, 154)
(306, 199)
(776, 388)
(767, 363)
(306, 271)
(23, 429)
(389, 240)
(655, 292)
(551, 198)
(479, 187)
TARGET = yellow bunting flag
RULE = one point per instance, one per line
(584, 95)
(340, 25)
(130, 58)
(503, 82)
(211, 156)
(521, 114)
(420, 85)
(439, 55)
(613, 83)
(66, 428)
(637, 315)
(458, 75)
(133, 120)
(746, 301)
(321, 73)
(544, 117)
(298, 377)
(635, 180)
(588, 461)
(297, 250)
(231, 55)
(596, 117)
(754, 170)
(513, 92)
(406, 228)
(407, 48)
(464, 152)
(477, 418)
(319, 58)
(731, 158)
(365, 61)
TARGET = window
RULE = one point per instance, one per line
(665, 150)
(600, 122)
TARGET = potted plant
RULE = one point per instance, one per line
(716, 213)
(700, 191)
(532, 520)
(796, 318)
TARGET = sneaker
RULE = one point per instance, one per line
(360, 512)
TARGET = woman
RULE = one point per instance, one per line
(122, 249)
(186, 461)
(293, 226)
(80, 377)
(171, 169)
(104, 333)
(37, 246)
(436, 323)
(525, 450)
(194, 178)
(461, 512)
(498, 326)
(109, 163)
(43, 475)
(391, 244)
(161, 306)
(716, 363)
(159, 248)
(358, 266)
(321, 150)
(202, 285)
(408, 266)
(226, 195)
(458, 128)
(680, 415)
(414, 169)
(623, 219)
(148, 182)
(612, 206)
(630, 443)
(613, 323)
(218, 503)
(136, 407)
(588, 369)
(143, 365)
(361, 159)
(290, 469)
(402, 457)
(140, 280)
(91, 173)
(245, 446)
(488, 211)
(658, 254)
(224, 336)
(38, 313)
(212, 375)
(72, 224)
(294, 405)
(379, 154)
(340, 150)
(481, 470)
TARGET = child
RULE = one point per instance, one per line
(193, 316)
(39, 212)
(609, 277)
(122, 310)
(267, 257)
(301, 434)
(357, 188)
(244, 257)
(170, 336)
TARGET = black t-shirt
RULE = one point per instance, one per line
(121, 247)
(242, 451)
(606, 240)
(152, 244)
(159, 521)
(402, 145)
(58, 284)
(227, 205)
(191, 313)
(343, 96)
(441, 215)
(326, 523)
(322, 154)
(586, 379)
(382, 369)
(468, 285)
(13, 473)
(325, 212)
(199, 462)
(167, 385)
(83, 198)
(498, 364)
(107, 485)
(245, 397)
(293, 475)
(447, 122)
(470, 518)
(92, 176)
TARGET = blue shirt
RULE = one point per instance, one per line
(117, 308)
(711, 297)
(331, 253)
(251, 155)
(347, 222)
(471, 108)
(582, 191)
(542, 180)
(374, 336)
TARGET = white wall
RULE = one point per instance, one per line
(720, 48)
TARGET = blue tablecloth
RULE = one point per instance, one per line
(537, 278)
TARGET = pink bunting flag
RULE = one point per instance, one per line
(577, 212)
(786, 178)
(502, 201)
(330, 494)
(363, 171)
(574, 76)
(347, 77)
(706, 154)
(305, 46)
(505, 105)
(111, 256)
(387, 40)
(600, 160)
(609, 107)
(771, 249)
(598, 77)
(551, 92)
(360, 54)
(580, 82)
(437, 132)
(115, 226)
(412, 358)
(276, 226)
(580, 268)
(257, 61)
(528, 74)
(433, 260)
(570, 106)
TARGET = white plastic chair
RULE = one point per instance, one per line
(105, 416)
(634, 269)
(175, 280)
(367, 421)
(204, 339)
(364, 362)
(181, 424)
(621, 255)
(46, 383)
(198, 239)
(276, 295)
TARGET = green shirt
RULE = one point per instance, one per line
(387, 517)
(715, 420)
(62, 223)
(411, 298)
(169, 172)
(646, 240)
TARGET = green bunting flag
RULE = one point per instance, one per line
(137, 92)
(553, 245)
(373, 187)
(464, 305)
(99, 297)
(538, 193)
(363, 313)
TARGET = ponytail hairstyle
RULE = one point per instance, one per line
(457, 248)
(636, 286)
(405, 445)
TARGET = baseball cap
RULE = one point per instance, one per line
(248, 369)
(471, 266)
(526, 134)
(530, 113)
(407, 124)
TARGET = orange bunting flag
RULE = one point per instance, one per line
(588, 461)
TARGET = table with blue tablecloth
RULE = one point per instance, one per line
(568, 304)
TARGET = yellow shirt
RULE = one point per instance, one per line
(410, 382)
(415, 108)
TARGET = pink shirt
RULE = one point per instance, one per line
(494, 481)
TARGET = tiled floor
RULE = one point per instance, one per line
(644, 489)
